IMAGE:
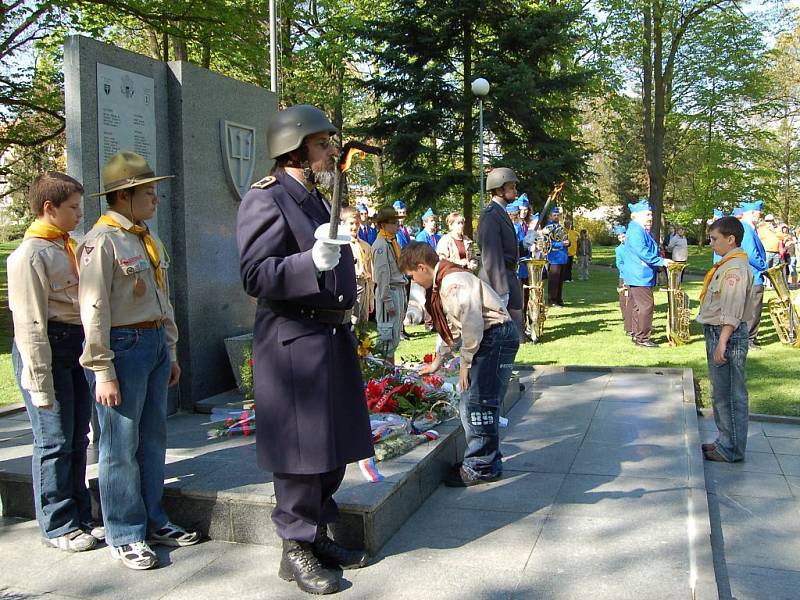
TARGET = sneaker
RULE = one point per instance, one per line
(458, 477)
(95, 529)
(137, 556)
(74, 541)
(174, 535)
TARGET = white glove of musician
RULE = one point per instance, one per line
(325, 256)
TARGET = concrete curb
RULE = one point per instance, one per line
(708, 412)
(11, 409)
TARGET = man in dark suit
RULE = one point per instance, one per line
(497, 239)
(311, 415)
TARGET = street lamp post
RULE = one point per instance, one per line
(480, 87)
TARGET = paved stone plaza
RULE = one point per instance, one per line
(603, 497)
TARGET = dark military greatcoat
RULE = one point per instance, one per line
(311, 416)
(497, 239)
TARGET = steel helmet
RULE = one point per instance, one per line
(499, 177)
(288, 128)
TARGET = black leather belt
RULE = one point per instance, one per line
(298, 311)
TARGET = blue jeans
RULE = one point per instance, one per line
(729, 390)
(133, 436)
(480, 406)
(60, 436)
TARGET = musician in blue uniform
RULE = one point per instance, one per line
(718, 214)
(641, 261)
(428, 233)
(367, 230)
(619, 261)
(310, 411)
(757, 256)
(557, 259)
(403, 235)
(514, 211)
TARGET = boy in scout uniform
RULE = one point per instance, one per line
(48, 339)
(390, 283)
(725, 307)
(362, 257)
(466, 310)
(130, 361)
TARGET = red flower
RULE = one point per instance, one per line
(428, 358)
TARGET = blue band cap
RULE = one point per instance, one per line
(642, 205)
(523, 201)
(513, 207)
(428, 214)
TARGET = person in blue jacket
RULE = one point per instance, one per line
(557, 258)
(514, 211)
(619, 260)
(757, 255)
(641, 261)
(718, 214)
(403, 236)
(367, 230)
(428, 233)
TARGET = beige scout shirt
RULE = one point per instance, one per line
(471, 307)
(111, 261)
(447, 249)
(42, 287)
(728, 299)
(385, 271)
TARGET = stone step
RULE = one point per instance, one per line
(216, 486)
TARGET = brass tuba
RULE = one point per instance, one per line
(781, 309)
(678, 312)
(537, 311)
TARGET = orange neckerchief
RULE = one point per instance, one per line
(392, 239)
(150, 245)
(712, 271)
(45, 231)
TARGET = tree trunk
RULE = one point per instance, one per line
(206, 60)
(179, 48)
(155, 50)
(467, 132)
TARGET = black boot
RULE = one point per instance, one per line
(332, 554)
(299, 564)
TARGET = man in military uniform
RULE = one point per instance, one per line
(310, 410)
(497, 239)
(640, 262)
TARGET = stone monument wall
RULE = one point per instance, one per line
(210, 132)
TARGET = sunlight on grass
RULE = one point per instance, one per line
(588, 331)
(8, 387)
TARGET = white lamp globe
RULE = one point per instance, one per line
(480, 87)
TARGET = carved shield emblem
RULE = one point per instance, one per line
(238, 155)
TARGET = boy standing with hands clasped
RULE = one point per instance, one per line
(465, 309)
(48, 340)
(130, 360)
(725, 308)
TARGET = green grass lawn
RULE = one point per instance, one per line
(588, 331)
(699, 258)
(8, 386)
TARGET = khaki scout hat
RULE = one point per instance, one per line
(386, 214)
(288, 128)
(126, 170)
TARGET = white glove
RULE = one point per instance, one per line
(325, 256)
